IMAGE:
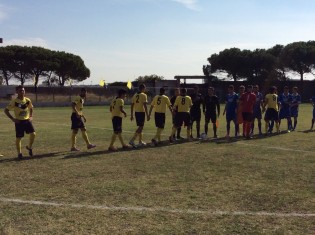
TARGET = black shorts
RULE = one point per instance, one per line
(23, 126)
(182, 117)
(117, 124)
(195, 115)
(159, 120)
(76, 122)
(140, 118)
(247, 116)
(211, 116)
(271, 114)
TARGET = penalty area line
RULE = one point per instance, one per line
(157, 209)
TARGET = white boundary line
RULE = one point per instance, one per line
(158, 209)
(276, 148)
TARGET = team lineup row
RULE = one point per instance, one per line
(242, 108)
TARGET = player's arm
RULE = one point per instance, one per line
(7, 112)
(218, 108)
(123, 111)
(150, 111)
(31, 113)
(146, 108)
(74, 109)
(225, 106)
(131, 112)
(265, 104)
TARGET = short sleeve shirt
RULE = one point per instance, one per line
(183, 103)
(79, 101)
(160, 102)
(116, 105)
(139, 99)
(272, 101)
(21, 108)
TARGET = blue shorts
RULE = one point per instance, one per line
(284, 113)
(230, 116)
(294, 112)
(257, 114)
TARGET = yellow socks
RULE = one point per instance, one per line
(121, 139)
(73, 139)
(31, 141)
(113, 140)
(18, 144)
(85, 137)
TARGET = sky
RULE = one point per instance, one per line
(120, 40)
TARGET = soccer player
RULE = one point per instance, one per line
(78, 120)
(271, 101)
(211, 110)
(257, 109)
(294, 107)
(23, 112)
(239, 115)
(230, 110)
(181, 109)
(139, 108)
(195, 111)
(285, 100)
(117, 109)
(313, 118)
(159, 102)
(247, 102)
(173, 98)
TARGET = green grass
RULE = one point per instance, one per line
(250, 176)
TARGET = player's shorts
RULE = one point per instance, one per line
(182, 117)
(76, 122)
(195, 115)
(159, 120)
(257, 114)
(23, 126)
(284, 113)
(247, 116)
(140, 118)
(294, 112)
(211, 116)
(230, 115)
(271, 114)
(117, 124)
(239, 117)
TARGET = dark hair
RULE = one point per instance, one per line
(286, 87)
(141, 87)
(256, 86)
(211, 88)
(19, 87)
(121, 92)
(250, 86)
(162, 90)
(183, 91)
(83, 90)
(242, 86)
(231, 86)
(273, 89)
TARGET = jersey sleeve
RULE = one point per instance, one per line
(133, 99)
(153, 103)
(11, 105)
(167, 101)
(30, 104)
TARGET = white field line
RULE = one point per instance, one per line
(276, 148)
(157, 209)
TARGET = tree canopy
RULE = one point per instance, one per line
(149, 78)
(33, 63)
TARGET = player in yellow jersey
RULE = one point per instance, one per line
(160, 103)
(182, 107)
(117, 109)
(139, 107)
(271, 101)
(78, 120)
(23, 112)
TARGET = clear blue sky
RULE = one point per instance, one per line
(123, 39)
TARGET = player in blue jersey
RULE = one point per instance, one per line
(230, 110)
(294, 107)
(313, 104)
(285, 100)
(257, 109)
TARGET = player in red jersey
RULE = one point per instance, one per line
(247, 102)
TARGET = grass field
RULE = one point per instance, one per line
(259, 186)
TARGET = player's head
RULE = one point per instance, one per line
(242, 89)
(83, 92)
(183, 91)
(122, 93)
(196, 89)
(273, 90)
(141, 87)
(231, 89)
(286, 89)
(210, 90)
(177, 91)
(20, 90)
(162, 91)
(295, 89)
(249, 88)
(256, 88)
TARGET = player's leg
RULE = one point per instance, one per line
(18, 144)
(29, 129)
(228, 128)
(214, 120)
(74, 140)
(295, 122)
(89, 145)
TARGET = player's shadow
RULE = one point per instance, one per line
(28, 158)
(307, 131)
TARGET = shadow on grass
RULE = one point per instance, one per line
(35, 157)
(307, 131)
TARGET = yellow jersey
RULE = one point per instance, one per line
(21, 108)
(272, 101)
(160, 103)
(78, 101)
(139, 99)
(183, 103)
(116, 105)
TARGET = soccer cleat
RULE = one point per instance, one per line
(215, 136)
(171, 139)
(74, 149)
(141, 144)
(132, 144)
(30, 151)
(90, 146)
(125, 146)
(154, 142)
(1, 155)
(112, 149)
(227, 137)
(20, 156)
